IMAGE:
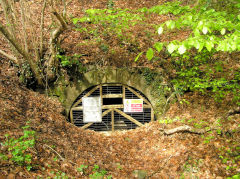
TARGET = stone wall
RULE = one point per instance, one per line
(69, 91)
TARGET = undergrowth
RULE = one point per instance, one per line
(18, 149)
(213, 31)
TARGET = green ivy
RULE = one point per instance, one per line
(190, 76)
(72, 62)
(18, 149)
(170, 7)
(114, 21)
(215, 31)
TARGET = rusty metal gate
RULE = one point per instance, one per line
(113, 115)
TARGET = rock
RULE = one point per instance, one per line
(140, 174)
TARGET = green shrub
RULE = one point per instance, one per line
(18, 149)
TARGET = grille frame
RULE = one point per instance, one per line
(114, 118)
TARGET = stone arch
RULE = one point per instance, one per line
(116, 107)
(124, 76)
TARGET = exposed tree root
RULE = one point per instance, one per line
(184, 128)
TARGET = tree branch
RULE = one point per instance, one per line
(23, 18)
(184, 129)
(33, 66)
(10, 57)
(41, 27)
(60, 19)
(53, 41)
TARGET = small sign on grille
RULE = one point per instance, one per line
(92, 109)
(133, 105)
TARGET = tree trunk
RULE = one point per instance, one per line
(34, 67)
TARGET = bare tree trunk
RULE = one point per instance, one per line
(8, 13)
(53, 42)
(33, 66)
(30, 46)
(42, 29)
(23, 18)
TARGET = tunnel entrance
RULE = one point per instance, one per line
(112, 101)
(110, 107)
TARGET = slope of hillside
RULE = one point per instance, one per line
(54, 148)
(61, 148)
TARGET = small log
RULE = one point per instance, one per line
(234, 111)
(184, 129)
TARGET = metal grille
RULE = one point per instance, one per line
(120, 122)
(112, 89)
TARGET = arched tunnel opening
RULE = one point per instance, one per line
(110, 107)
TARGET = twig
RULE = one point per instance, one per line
(165, 107)
(10, 57)
(55, 152)
(185, 128)
(63, 159)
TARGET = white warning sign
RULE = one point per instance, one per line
(92, 110)
(133, 105)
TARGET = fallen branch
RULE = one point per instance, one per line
(55, 152)
(234, 111)
(185, 129)
(10, 57)
(63, 159)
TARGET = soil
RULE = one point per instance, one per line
(145, 152)
(62, 147)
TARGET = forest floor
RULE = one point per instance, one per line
(61, 148)
(146, 152)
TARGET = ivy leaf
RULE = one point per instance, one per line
(182, 49)
(234, 47)
(158, 46)
(196, 45)
(200, 23)
(196, 32)
(136, 59)
(160, 30)
(223, 31)
(205, 30)
(209, 46)
(200, 47)
(190, 18)
(150, 54)
(75, 20)
(170, 24)
(171, 48)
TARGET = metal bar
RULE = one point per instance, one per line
(71, 116)
(106, 112)
(112, 106)
(112, 84)
(112, 120)
(112, 96)
(138, 95)
(128, 117)
(86, 95)
(152, 114)
(123, 92)
(80, 108)
(87, 125)
(101, 94)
